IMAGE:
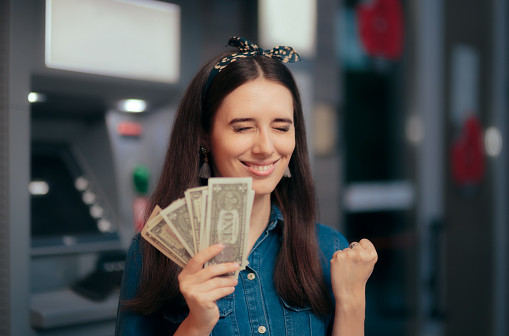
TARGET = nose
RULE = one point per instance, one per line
(263, 143)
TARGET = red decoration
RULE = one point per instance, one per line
(381, 28)
(467, 155)
(129, 129)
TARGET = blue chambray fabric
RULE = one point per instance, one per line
(254, 308)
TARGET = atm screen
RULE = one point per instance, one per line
(67, 212)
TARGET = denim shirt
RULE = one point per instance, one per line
(254, 308)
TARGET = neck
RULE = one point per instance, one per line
(259, 218)
(261, 211)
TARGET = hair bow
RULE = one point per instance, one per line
(281, 53)
(249, 49)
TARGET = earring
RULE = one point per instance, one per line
(287, 172)
(205, 168)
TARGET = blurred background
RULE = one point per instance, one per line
(405, 104)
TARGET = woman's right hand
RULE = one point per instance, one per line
(202, 287)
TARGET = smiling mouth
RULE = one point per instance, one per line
(264, 169)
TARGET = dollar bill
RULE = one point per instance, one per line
(177, 217)
(160, 235)
(196, 202)
(245, 262)
(217, 213)
(227, 218)
(155, 212)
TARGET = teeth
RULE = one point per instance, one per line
(262, 168)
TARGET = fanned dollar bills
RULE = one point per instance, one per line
(217, 213)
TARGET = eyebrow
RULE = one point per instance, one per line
(238, 120)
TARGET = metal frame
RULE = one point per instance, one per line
(429, 98)
(499, 119)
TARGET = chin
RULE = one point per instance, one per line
(263, 188)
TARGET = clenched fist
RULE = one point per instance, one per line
(351, 269)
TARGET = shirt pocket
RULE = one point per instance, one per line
(225, 306)
(301, 320)
(227, 324)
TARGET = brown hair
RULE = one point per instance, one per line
(298, 276)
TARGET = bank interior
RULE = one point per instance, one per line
(406, 113)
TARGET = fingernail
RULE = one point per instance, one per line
(236, 265)
(220, 246)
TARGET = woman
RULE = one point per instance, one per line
(243, 111)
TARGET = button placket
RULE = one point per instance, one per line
(254, 296)
(252, 287)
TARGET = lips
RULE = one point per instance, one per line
(260, 169)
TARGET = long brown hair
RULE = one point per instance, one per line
(298, 276)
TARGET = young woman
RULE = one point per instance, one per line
(303, 278)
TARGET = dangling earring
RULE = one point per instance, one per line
(205, 168)
(287, 172)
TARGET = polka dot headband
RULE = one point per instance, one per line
(249, 49)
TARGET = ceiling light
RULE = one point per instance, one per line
(34, 97)
(38, 187)
(132, 105)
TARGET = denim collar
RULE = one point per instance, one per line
(276, 216)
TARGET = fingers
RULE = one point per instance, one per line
(195, 279)
(220, 269)
(369, 249)
(363, 250)
(336, 255)
(213, 271)
(196, 263)
(218, 282)
(221, 292)
(202, 287)
(208, 299)
(207, 284)
(365, 243)
(352, 267)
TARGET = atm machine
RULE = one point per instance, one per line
(82, 193)
(84, 150)
(76, 248)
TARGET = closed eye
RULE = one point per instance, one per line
(282, 124)
(241, 124)
(240, 129)
(282, 129)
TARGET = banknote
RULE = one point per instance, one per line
(249, 210)
(217, 213)
(227, 218)
(160, 235)
(196, 201)
(178, 219)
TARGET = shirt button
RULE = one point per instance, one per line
(251, 276)
(261, 329)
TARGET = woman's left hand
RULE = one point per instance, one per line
(351, 269)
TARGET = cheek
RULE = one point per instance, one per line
(285, 146)
(225, 148)
(233, 143)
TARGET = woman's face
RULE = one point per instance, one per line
(253, 134)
